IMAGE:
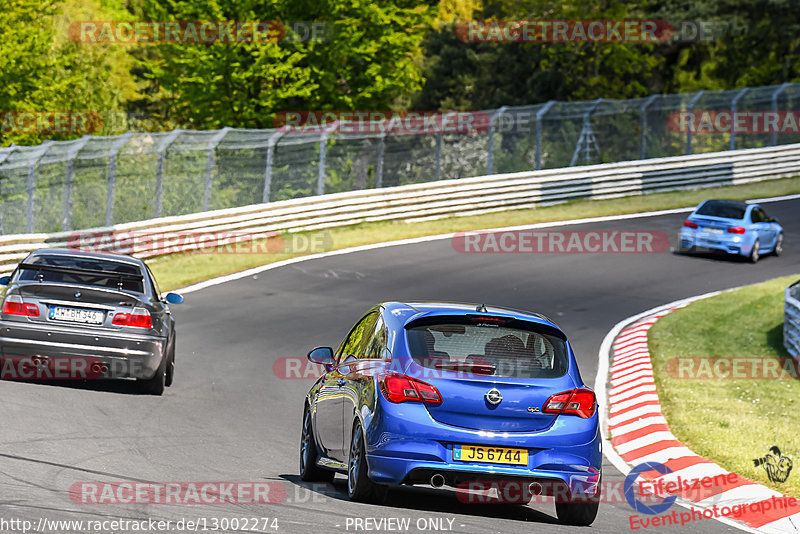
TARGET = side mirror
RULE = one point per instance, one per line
(173, 298)
(4, 280)
(322, 356)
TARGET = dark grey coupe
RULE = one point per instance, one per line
(69, 314)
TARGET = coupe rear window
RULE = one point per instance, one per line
(720, 209)
(490, 350)
(85, 271)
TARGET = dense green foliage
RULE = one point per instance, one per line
(394, 54)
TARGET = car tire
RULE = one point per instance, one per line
(170, 371)
(359, 486)
(155, 385)
(755, 252)
(580, 514)
(309, 471)
(778, 245)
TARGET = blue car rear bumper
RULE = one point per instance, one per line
(411, 448)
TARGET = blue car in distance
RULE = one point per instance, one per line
(458, 395)
(734, 227)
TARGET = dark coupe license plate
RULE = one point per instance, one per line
(77, 315)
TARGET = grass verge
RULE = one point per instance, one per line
(179, 270)
(731, 421)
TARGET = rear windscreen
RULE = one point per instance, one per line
(716, 209)
(488, 350)
(106, 280)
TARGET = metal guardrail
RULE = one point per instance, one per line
(791, 320)
(467, 196)
(104, 180)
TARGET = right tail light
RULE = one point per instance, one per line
(580, 402)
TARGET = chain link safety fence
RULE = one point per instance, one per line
(97, 181)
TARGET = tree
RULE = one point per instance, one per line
(365, 59)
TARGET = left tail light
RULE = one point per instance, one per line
(15, 306)
(580, 402)
(139, 318)
(401, 388)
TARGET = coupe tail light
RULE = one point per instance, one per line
(580, 402)
(736, 230)
(401, 388)
(14, 306)
(689, 224)
(139, 317)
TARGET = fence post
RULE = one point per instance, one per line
(212, 145)
(539, 116)
(694, 99)
(66, 221)
(439, 157)
(379, 164)
(734, 101)
(35, 157)
(777, 92)
(586, 137)
(271, 142)
(162, 148)
(5, 153)
(490, 162)
(643, 123)
(323, 140)
(112, 175)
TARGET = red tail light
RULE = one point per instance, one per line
(736, 230)
(14, 306)
(402, 388)
(140, 318)
(689, 224)
(580, 402)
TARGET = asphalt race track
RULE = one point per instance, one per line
(229, 418)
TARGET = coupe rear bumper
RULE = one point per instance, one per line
(36, 352)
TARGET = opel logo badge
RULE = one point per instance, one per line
(493, 397)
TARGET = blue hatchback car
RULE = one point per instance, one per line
(733, 227)
(455, 395)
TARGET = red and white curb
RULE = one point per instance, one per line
(639, 434)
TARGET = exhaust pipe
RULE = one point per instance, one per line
(437, 480)
(535, 488)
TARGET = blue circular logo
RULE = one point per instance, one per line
(630, 484)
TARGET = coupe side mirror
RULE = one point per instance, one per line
(4, 280)
(322, 356)
(173, 298)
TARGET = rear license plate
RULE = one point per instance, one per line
(492, 455)
(713, 230)
(76, 315)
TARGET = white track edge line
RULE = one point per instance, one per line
(415, 240)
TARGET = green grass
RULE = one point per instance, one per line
(731, 421)
(182, 269)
